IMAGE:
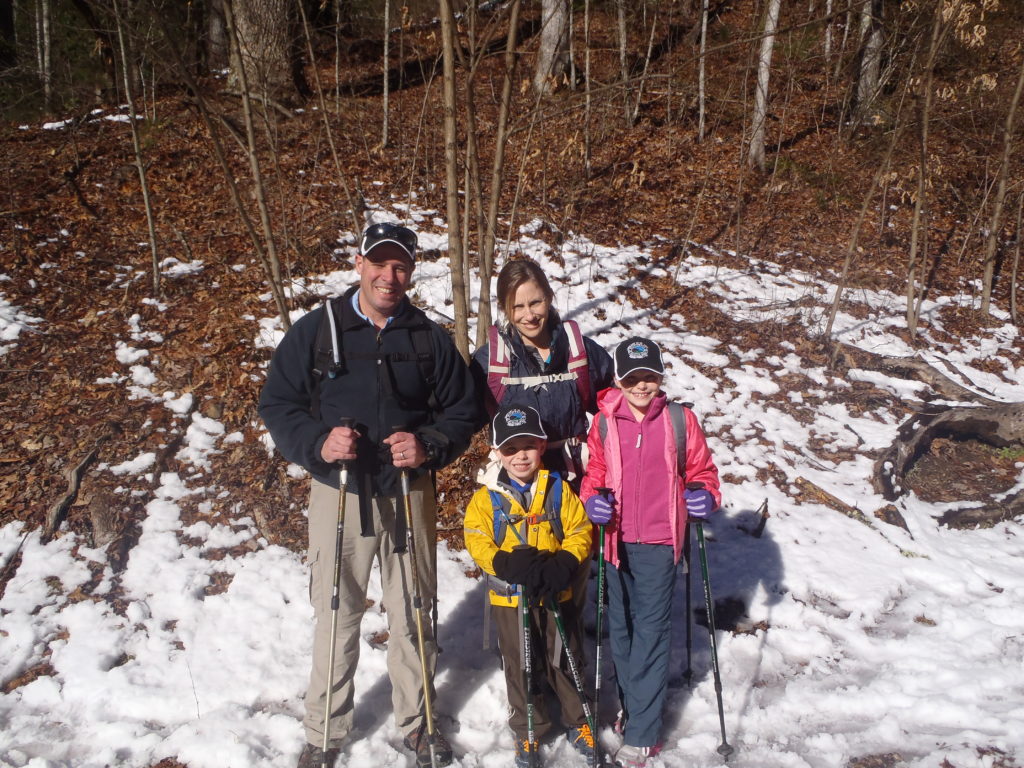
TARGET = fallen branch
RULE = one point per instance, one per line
(910, 368)
(58, 512)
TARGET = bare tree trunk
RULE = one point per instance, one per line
(701, 70)
(851, 247)
(262, 46)
(620, 6)
(387, 61)
(635, 112)
(254, 162)
(553, 53)
(43, 48)
(755, 156)
(919, 225)
(869, 80)
(126, 67)
(218, 151)
(456, 253)
(217, 56)
(1016, 261)
(489, 235)
(828, 30)
(996, 224)
(355, 204)
(587, 106)
(8, 36)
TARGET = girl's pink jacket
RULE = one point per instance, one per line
(637, 460)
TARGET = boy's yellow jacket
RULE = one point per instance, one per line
(480, 518)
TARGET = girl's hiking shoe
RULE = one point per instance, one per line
(582, 740)
(418, 742)
(524, 750)
(635, 757)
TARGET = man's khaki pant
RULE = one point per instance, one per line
(358, 555)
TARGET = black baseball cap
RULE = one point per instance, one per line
(638, 354)
(386, 232)
(516, 421)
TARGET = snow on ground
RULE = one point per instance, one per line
(879, 641)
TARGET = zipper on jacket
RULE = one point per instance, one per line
(637, 484)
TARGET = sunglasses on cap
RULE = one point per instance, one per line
(386, 232)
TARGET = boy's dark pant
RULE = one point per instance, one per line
(544, 635)
(640, 629)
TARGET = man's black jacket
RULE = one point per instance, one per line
(382, 388)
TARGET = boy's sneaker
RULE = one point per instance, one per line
(419, 742)
(635, 757)
(582, 740)
(524, 750)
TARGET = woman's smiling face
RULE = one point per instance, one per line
(530, 308)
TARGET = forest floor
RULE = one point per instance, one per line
(76, 257)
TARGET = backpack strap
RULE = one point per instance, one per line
(328, 358)
(579, 364)
(577, 368)
(421, 343)
(552, 509)
(498, 363)
(677, 416)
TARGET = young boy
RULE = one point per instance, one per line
(529, 532)
(633, 451)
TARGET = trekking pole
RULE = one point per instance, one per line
(688, 561)
(600, 624)
(724, 749)
(417, 604)
(577, 680)
(335, 596)
(527, 664)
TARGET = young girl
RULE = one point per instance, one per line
(633, 452)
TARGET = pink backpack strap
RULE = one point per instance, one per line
(498, 362)
(578, 362)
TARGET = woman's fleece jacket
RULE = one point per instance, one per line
(637, 461)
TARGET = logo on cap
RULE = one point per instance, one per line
(515, 418)
(637, 350)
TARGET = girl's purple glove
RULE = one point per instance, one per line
(600, 508)
(699, 503)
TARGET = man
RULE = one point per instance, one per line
(397, 380)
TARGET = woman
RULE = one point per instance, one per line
(540, 360)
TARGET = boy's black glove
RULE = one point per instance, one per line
(554, 575)
(515, 567)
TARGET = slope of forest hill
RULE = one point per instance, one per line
(74, 233)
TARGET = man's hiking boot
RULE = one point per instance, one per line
(419, 742)
(582, 740)
(524, 750)
(313, 756)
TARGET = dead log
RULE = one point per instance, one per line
(998, 425)
(911, 368)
